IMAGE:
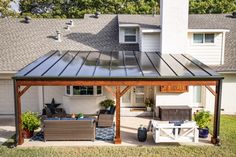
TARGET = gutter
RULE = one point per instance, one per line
(7, 74)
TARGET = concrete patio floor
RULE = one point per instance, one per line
(129, 126)
(7, 128)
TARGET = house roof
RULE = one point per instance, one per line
(22, 43)
(92, 65)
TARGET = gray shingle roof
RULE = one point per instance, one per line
(144, 21)
(21, 43)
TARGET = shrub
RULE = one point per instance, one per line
(149, 102)
(107, 103)
(31, 121)
(202, 118)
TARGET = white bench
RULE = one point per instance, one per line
(186, 132)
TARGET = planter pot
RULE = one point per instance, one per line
(149, 109)
(203, 132)
(27, 134)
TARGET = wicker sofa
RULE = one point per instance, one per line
(69, 130)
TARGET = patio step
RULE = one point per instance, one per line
(135, 112)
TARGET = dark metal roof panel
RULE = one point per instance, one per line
(116, 65)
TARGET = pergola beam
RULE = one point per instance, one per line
(211, 90)
(115, 83)
(23, 90)
(125, 90)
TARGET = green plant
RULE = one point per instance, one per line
(202, 118)
(107, 103)
(80, 115)
(31, 121)
(149, 102)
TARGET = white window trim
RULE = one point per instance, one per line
(203, 44)
(94, 94)
(129, 42)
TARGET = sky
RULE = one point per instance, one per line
(15, 5)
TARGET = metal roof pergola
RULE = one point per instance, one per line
(123, 68)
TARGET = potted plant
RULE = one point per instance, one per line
(149, 104)
(31, 122)
(107, 103)
(80, 115)
(202, 119)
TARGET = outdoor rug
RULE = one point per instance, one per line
(105, 134)
(38, 136)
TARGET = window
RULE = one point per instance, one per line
(83, 90)
(203, 38)
(130, 35)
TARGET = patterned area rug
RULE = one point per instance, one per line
(103, 134)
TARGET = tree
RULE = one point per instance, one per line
(212, 6)
(5, 8)
(77, 8)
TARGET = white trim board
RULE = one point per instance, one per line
(208, 30)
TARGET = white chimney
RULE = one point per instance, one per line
(174, 25)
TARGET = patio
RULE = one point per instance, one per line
(129, 127)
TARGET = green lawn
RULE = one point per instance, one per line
(228, 148)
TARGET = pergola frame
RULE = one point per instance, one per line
(27, 83)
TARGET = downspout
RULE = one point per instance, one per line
(222, 48)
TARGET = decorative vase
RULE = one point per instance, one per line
(203, 132)
(27, 134)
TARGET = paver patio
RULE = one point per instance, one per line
(129, 126)
(7, 128)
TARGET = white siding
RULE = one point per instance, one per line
(6, 97)
(29, 99)
(55, 92)
(228, 103)
(82, 104)
(207, 53)
(172, 99)
(150, 42)
(121, 34)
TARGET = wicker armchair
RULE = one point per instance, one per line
(105, 117)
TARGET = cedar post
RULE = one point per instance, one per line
(117, 138)
(19, 137)
(216, 128)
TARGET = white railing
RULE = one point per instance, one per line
(186, 132)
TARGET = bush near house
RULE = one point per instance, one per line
(228, 148)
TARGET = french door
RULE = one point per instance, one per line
(135, 97)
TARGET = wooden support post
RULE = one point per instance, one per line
(216, 127)
(117, 138)
(19, 138)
